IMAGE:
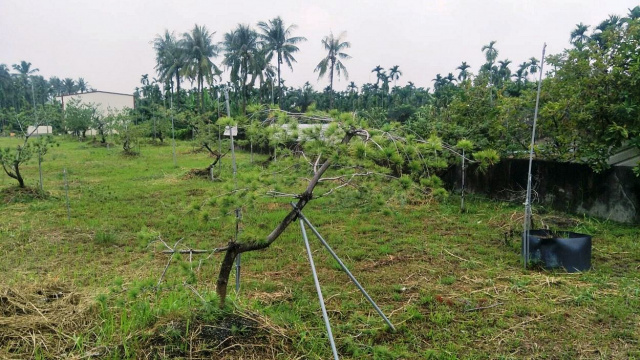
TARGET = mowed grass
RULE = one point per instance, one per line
(452, 283)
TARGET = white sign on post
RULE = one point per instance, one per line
(229, 131)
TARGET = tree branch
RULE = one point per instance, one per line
(235, 248)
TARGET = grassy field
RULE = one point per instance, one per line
(452, 284)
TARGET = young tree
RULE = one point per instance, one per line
(353, 150)
(128, 133)
(78, 117)
(12, 158)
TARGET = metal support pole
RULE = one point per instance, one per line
(344, 267)
(235, 180)
(40, 169)
(325, 317)
(462, 187)
(238, 265)
(173, 133)
(66, 190)
(527, 204)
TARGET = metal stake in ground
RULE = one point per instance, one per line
(325, 317)
(66, 190)
(344, 267)
(40, 169)
(527, 204)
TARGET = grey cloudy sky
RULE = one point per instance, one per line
(108, 41)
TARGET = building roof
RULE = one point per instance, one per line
(97, 91)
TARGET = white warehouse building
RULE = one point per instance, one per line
(103, 101)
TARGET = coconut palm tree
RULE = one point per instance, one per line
(241, 51)
(69, 86)
(24, 69)
(634, 13)
(277, 40)
(261, 69)
(395, 73)
(170, 58)
(463, 71)
(82, 85)
(56, 85)
(198, 50)
(334, 47)
(5, 85)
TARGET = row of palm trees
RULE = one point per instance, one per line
(579, 37)
(21, 86)
(247, 54)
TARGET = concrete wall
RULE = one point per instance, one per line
(612, 194)
(104, 101)
(40, 130)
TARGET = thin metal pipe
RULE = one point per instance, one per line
(235, 181)
(462, 187)
(527, 204)
(37, 123)
(173, 132)
(238, 265)
(325, 317)
(346, 270)
(66, 190)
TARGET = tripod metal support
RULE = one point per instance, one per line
(344, 267)
(317, 283)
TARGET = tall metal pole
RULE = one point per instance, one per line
(35, 115)
(325, 317)
(344, 267)
(235, 181)
(527, 204)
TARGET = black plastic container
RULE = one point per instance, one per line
(561, 249)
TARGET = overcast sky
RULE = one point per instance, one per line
(108, 41)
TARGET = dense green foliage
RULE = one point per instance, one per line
(590, 102)
(451, 282)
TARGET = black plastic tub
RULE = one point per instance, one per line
(560, 249)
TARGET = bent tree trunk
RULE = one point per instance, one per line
(15, 174)
(235, 248)
(216, 155)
